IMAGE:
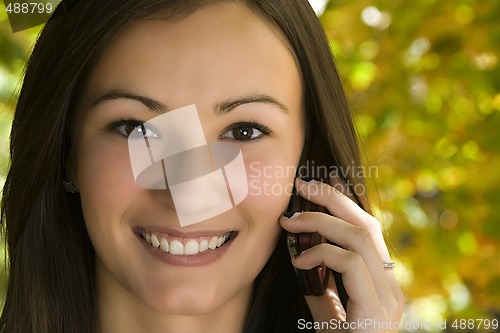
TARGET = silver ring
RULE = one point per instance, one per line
(390, 265)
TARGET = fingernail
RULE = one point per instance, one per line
(290, 215)
(311, 181)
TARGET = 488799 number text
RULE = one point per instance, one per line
(29, 8)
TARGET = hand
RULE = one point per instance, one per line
(374, 293)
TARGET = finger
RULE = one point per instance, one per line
(351, 238)
(336, 230)
(335, 201)
(355, 274)
(344, 208)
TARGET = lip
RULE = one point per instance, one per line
(196, 260)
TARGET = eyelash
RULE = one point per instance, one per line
(118, 127)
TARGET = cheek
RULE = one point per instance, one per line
(106, 182)
(270, 181)
(271, 174)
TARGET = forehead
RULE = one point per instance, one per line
(224, 46)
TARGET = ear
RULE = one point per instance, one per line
(70, 168)
(70, 181)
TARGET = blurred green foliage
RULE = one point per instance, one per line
(423, 78)
(424, 82)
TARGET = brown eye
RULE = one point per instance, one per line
(134, 129)
(245, 132)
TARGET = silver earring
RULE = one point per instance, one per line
(70, 186)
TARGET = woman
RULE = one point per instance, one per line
(88, 246)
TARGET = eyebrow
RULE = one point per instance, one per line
(220, 108)
(119, 94)
(229, 105)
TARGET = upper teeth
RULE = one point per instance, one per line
(185, 246)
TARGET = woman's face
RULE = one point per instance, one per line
(221, 53)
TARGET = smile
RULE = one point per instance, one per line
(185, 246)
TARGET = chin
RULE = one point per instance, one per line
(187, 302)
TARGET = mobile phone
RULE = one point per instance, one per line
(313, 164)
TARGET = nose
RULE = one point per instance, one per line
(203, 182)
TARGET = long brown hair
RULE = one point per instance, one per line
(51, 286)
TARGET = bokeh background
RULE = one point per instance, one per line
(423, 78)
